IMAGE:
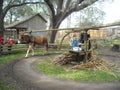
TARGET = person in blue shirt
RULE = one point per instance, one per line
(74, 42)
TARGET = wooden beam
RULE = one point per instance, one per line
(80, 29)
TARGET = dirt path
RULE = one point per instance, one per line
(21, 74)
(113, 57)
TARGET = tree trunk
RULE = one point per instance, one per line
(1, 27)
(52, 37)
(54, 24)
(1, 19)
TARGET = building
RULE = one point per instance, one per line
(32, 23)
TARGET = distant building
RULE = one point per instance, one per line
(32, 23)
(106, 33)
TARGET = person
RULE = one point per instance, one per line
(74, 42)
(10, 43)
(1, 40)
(1, 44)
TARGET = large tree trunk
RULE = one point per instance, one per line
(1, 25)
(52, 37)
(54, 24)
(1, 19)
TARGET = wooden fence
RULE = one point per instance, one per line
(16, 48)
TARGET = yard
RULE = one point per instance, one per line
(45, 65)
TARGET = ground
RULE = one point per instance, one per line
(21, 74)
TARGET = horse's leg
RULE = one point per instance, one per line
(33, 51)
(32, 48)
(28, 50)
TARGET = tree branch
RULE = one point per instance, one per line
(60, 6)
(51, 7)
(9, 6)
(82, 5)
(67, 4)
(85, 4)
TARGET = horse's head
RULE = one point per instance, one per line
(24, 37)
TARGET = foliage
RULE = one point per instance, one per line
(6, 5)
(3, 86)
(91, 16)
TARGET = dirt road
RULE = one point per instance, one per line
(21, 74)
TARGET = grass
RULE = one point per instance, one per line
(114, 41)
(6, 58)
(45, 65)
(4, 86)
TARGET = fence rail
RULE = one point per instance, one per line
(4, 49)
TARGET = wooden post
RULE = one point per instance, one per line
(86, 46)
(62, 40)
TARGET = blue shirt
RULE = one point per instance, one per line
(74, 42)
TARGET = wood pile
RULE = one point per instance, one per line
(65, 58)
(94, 64)
(70, 57)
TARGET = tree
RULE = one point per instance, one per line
(60, 9)
(6, 5)
(91, 16)
(15, 14)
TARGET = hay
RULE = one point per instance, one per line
(94, 63)
(64, 58)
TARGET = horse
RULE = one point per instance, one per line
(34, 40)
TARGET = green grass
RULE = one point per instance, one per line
(114, 41)
(46, 65)
(4, 86)
(6, 58)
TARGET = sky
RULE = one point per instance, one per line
(111, 9)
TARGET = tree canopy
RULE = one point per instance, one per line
(58, 10)
(6, 5)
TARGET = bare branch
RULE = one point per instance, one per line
(80, 1)
(51, 7)
(85, 4)
(16, 5)
(10, 2)
(60, 6)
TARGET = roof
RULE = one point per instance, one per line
(13, 25)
